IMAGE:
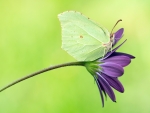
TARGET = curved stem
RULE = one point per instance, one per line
(42, 71)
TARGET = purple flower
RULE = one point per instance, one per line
(106, 70)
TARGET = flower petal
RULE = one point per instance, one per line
(111, 52)
(124, 54)
(118, 35)
(114, 82)
(120, 59)
(112, 69)
(107, 87)
(100, 90)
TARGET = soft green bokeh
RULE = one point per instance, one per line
(30, 40)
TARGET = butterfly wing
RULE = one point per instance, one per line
(81, 37)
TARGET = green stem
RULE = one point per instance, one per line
(42, 71)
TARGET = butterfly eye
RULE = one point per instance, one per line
(111, 35)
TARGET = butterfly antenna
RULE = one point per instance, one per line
(115, 25)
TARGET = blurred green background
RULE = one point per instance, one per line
(30, 40)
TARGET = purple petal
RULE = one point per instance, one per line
(114, 82)
(107, 87)
(112, 69)
(100, 90)
(118, 35)
(123, 54)
(111, 52)
(122, 60)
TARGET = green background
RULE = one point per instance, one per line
(30, 40)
